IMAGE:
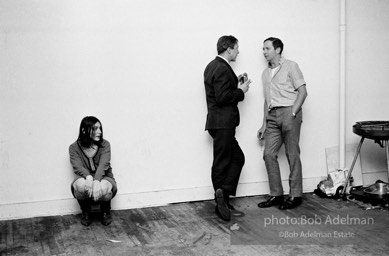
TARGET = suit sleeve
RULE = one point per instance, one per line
(226, 92)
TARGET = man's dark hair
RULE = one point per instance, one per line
(277, 43)
(226, 42)
(86, 128)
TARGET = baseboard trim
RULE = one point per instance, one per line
(138, 200)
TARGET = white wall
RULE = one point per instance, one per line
(367, 79)
(138, 66)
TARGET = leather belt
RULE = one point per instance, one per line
(274, 108)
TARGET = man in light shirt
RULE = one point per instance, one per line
(285, 92)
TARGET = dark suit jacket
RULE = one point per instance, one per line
(223, 95)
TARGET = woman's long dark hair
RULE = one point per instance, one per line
(86, 128)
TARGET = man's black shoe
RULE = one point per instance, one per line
(222, 207)
(291, 202)
(233, 211)
(272, 201)
(85, 219)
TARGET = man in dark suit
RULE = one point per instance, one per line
(223, 92)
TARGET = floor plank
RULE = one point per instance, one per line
(194, 229)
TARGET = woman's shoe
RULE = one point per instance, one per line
(85, 219)
(107, 218)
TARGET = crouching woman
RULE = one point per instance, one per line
(90, 157)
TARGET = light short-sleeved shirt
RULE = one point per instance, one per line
(280, 90)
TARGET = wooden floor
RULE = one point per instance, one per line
(314, 228)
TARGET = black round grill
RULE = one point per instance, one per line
(374, 130)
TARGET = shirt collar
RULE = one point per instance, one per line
(224, 59)
(281, 62)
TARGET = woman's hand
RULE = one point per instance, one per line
(88, 185)
(96, 190)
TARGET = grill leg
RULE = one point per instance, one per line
(352, 167)
(387, 155)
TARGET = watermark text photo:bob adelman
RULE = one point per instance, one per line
(318, 220)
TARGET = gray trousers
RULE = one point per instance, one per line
(283, 128)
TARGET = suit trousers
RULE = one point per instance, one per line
(228, 160)
(283, 128)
